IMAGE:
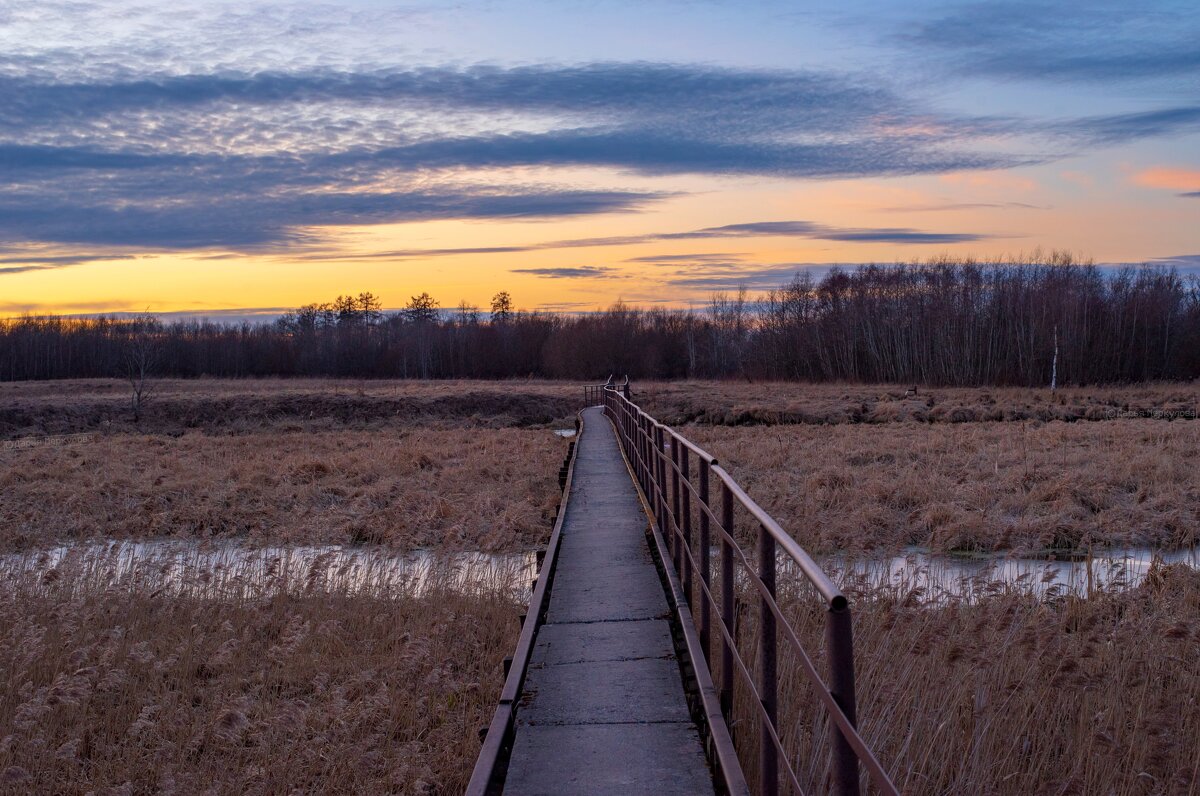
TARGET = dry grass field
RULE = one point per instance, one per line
(1009, 693)
(466, 488)
(971, 486)
(115, 686)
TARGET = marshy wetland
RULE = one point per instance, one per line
(269, 586)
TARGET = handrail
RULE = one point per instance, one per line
(660, 460)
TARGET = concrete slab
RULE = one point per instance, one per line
(604, 710)
(604, 692)
(608, 760)
(607, 600)
(603, 641)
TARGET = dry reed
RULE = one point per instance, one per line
(977, 486)
(113, 686)
(482, 489)
(1004, 693)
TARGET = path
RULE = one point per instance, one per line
(604, 709)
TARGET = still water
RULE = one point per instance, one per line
(937, 576)
(232, 570)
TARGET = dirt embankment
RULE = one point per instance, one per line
(240, 407)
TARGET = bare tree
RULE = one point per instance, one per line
(468, 313)
(140, 358)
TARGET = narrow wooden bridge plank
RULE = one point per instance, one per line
(604, 709)
(604, 641)
(579, 758)
(643, 690)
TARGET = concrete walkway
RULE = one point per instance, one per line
(604, 710)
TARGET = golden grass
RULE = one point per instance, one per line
(117, 684)
(112, 687)
(482, 489)
(124, 680)
(1007, 693)
(976, 486)
(771, 403)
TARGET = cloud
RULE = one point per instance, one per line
(152, 153)
(205, 217)
(675, 259)
(25, 262)
(929, 208)
(1169, 178)
(1050, 41)
(1191, 195)
(1122, 128)
(578, 272)
(754, 229)
(754, 277)
(254, 161)
(806, 229)
(1187, 263)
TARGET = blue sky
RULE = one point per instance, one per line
(203, 156)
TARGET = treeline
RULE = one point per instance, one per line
(948, 322)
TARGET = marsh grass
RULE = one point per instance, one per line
(972, 487)
(231, 684)
(1006, 691)
(476, 489)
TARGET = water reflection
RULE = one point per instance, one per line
(936, 576)
(233, 571)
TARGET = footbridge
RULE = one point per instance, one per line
(644, 594)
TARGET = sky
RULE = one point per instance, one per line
(232, 160)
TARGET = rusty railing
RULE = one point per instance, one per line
(662, 463)
(593, 394)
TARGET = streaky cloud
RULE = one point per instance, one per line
(1125, 127)
(933, 208)
(1050, 41)
(675, 259)
(273, 221)
(254, 161)
(754, 229)
(576, 272)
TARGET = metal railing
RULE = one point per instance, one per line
(662, 463)
(593, 394)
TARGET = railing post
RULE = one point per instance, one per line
(685, 486)
(727, 607)
(767, 687)
(647, 447)
(705, 564)
(642, 460)
(647, 461)
(660, 478)
(675, 523)
(840, 642)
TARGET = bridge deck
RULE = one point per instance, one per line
(604, 709)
